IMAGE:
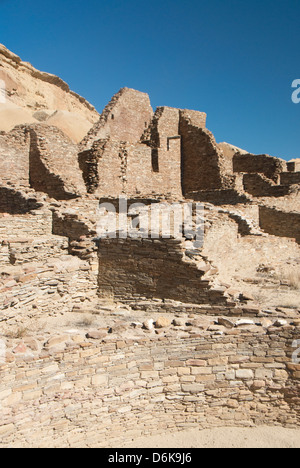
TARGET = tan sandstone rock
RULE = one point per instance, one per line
(162, 322)
(28, 92)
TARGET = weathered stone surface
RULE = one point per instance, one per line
(112, 381)
(226, 322)
(162, 322)
(280, 323)
(56, 341)
(244, 374)
(96, 334)
(179, 322)
(53, 163)
(30, 92)
(244, 322)
(65, 381)
(148, 324)
(20, 349)
(124, 118)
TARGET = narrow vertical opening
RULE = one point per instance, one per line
(154, 160)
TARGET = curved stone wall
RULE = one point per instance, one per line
(101, 390)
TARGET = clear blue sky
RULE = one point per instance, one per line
(234, 59)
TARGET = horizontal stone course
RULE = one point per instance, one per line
(106, 386)
(44, 400)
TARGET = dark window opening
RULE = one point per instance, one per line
(112, 117)
(155, 162)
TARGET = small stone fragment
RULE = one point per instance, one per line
(162, 322)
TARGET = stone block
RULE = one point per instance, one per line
(244, 374)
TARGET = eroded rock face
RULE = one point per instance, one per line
(30, 96)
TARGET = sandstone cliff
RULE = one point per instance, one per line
(31, 96)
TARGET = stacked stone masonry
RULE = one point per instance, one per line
(269, 166)
(280, 223)
(78, 392)
(73, 388)
(152, 269)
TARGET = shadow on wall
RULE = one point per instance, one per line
(13, 202)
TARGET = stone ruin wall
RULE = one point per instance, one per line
(290, 178)
(47, 265)
(53, 165)
(259, 185)
(125, 118)
(160, 274)
(81, 392)
(163, 382)
(112, 168)
(42, 158)
(146, 163)
(293, 165)
(141, 162)
(131, 271)
(280, 223)
(13, 201)
(203, 164)
(137, 156)
(269, 166)
(14, 161)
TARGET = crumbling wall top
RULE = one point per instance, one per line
(124, 118)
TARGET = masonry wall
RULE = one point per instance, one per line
(26, 226)
(53, 163)
(14, 157)
(161, 164)
(125, 118)
(78, 392)
(173, 153)
(69, 225)
(16, 202)
(112, 168)
(32, 290)
(37, 268)
(293, 165)
(131, 270)
(260, 186)
(154, 172)
(203, 163)
(264, 164)
(220, 197)
(280, 223)
(165, 124)
(289, 178)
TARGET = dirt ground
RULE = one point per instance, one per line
(227, 437)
